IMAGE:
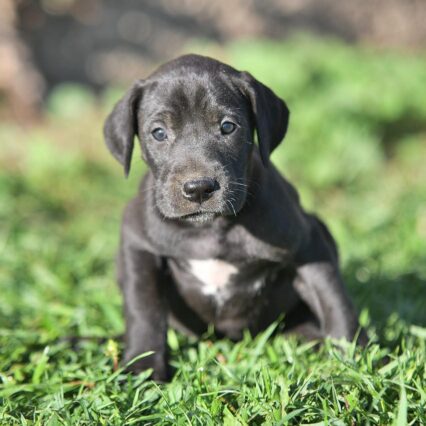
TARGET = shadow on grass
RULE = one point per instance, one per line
(393, 302)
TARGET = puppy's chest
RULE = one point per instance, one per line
(217, 279)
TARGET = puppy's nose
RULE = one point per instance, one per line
(200, 189)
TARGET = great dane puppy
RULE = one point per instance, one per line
(216, 235)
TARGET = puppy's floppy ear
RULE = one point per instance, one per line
(270, 113)
(121, 126)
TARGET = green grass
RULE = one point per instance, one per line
(355, 150)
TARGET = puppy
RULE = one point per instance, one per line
(216, 235)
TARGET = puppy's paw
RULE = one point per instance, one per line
(156, 362)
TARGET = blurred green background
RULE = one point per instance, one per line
(356, 151)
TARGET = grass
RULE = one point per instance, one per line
(355, 150)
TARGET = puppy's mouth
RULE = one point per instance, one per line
(199, 216)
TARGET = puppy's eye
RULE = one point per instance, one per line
(159, 134)
(227, 127)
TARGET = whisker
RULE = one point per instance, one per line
(147, 189)
(232, 207)
(240, 184)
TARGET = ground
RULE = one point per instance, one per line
(355, 150)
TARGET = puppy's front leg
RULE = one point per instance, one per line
(320, 285)
(140, 278)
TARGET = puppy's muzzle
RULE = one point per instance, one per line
(200, 190)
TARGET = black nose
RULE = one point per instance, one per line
(200, 189)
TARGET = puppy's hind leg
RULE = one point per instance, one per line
(321, 287)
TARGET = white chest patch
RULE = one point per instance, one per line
(214, 274)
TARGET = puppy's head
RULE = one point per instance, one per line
(195, 119)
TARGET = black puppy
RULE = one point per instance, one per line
(215, 234)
